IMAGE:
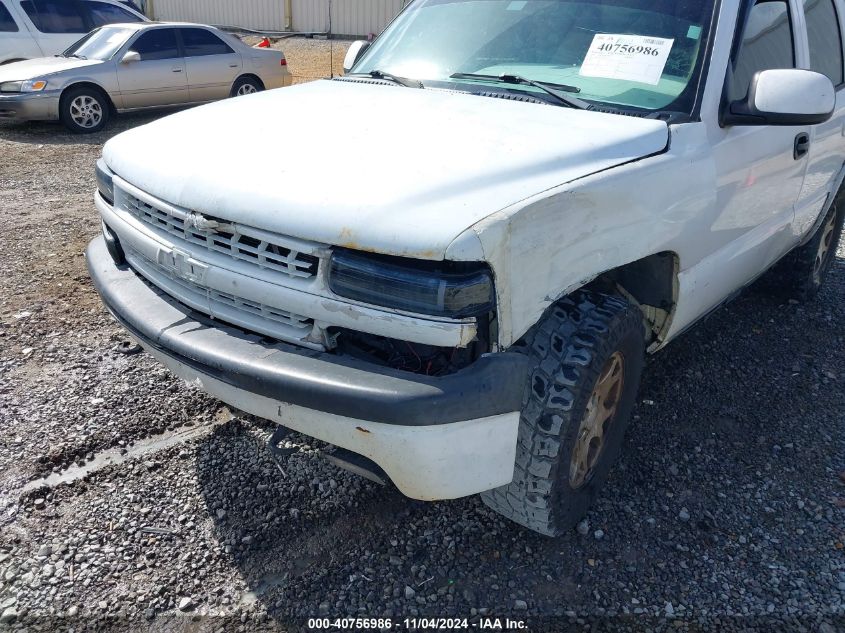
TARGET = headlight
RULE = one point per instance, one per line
(104, 181)
(31, 85)
(449, 289)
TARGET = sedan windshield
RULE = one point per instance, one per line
(641, 54)
(100, 43)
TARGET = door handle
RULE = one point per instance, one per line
(177, 70)
(233, 65)
(802, 145)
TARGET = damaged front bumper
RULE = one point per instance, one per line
(435, 437)
(30, 106)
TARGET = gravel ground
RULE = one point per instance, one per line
(163, 510)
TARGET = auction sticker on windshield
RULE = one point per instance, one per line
(629, 57)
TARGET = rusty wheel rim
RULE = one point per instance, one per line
(824, 248)
(598, 417)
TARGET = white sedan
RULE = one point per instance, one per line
(125, 67)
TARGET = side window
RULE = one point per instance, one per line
(766, 44)
(199, 42)
(825, 39)
(55, 16)
(103, 13)
(7, 22)
(156, 44)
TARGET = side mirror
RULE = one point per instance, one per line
(130, 57)
(784, 97)
(356, 49)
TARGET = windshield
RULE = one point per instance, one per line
(643, 54)
(100, 43)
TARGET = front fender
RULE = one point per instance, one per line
(557, 241)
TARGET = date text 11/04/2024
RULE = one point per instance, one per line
(417, 624)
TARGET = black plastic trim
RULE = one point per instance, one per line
(321, 381)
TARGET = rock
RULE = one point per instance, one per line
(583, 527)
(598, 534)
(409, 593)
(186, 604)
(73, 611)
(221, 513)
(520, 605)
(669, 609)
(45, 550)
(39, 503)
(684, 515)
(9, 615)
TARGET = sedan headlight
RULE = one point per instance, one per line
(104, 181)
(30, 85)
(448, 289)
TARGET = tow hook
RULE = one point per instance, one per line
(277, 451)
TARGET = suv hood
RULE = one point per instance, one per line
(41, 66)
(374, 167)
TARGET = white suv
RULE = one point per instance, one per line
(41, 28)
(456, 271)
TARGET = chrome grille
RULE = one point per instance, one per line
(260, 309)
(235, 240)
(252, 315)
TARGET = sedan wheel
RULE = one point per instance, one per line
(247, 89)
(84, 110)
(246, 86)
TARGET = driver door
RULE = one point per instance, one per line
(159, 78)
(758, 172)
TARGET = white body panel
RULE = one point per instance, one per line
(28, 42)
(19, 44)
(415, 190)
(425, 462)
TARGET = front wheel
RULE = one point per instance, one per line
(246, 86)
(84, 110)
(588, 355)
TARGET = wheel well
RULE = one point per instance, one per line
(88, 84)
(251, 76)
(653, 283)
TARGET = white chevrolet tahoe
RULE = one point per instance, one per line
(479, 231)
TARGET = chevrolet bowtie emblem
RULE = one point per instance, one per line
(200, 222)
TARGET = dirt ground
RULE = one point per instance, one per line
(130, 500)
(309, 59)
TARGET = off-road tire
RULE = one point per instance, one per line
(569, 348)
(796, 274)
(70, 96)
(250, 83)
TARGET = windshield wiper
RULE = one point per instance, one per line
(558, 91)
(76, 55)
(380, 74)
